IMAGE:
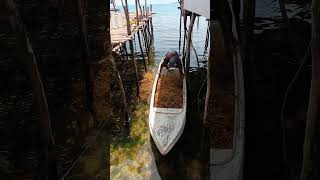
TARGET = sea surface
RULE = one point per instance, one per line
(166, 25)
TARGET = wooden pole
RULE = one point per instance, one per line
(141, 13)
(189, 37)
(87, 54)
(144, 12)
(195, 52)
(185, 36)
(180, 24)
(151, 23)
(26, 58)
(145, 40)
(146, 6)
(137, 13)
(142, 53)
(122, 91)
(114, 5)
(131, 46)
(311, 148)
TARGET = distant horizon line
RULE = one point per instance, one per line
(155, 3)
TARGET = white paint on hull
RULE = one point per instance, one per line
(166, 124)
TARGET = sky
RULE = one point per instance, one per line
(118, 2)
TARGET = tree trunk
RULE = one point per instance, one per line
(26, 58)
(311, 148)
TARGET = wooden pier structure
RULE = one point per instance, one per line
(131, 39)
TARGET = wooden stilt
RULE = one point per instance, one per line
(122, 92)
(134, 63)
(145, 40)
(151, 25)
(142, 53)
(144, 12)
(26, 58)
(185, 36)
(180, 33)
(189, 36)
(141, 13)
(87, 53)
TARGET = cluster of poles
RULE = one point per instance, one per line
(142, 28)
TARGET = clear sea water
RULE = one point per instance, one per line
(166, 24)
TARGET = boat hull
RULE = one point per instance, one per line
(166, 124)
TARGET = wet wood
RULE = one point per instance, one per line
(311, 147)
(26, 58)
(142, 53)
(188, 45)
(134, 63)
(184, 37)
(87, 53)
(122, 91)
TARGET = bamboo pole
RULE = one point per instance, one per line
(189, 37)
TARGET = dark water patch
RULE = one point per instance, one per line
(274, 65)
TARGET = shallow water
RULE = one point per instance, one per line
(136, 156)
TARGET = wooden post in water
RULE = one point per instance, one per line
(180, 32)
(185, 36)
(131, 45)
(151, 23)
(145, 39)
(139, 38)
(137, 13)
(145, 5)
(189, 37)
(141, 13)
(144, 12)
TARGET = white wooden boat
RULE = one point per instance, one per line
(167, 124)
